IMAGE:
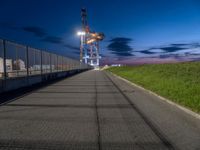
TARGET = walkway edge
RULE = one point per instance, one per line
(188, 111)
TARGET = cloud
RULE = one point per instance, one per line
(180, 44)
(195, 45)
(195, 59)
(180, 57)
(120, 46)
(53, 40)
(8, 25)
(72, 47)
(178, 52)
(75, 49)
(121, 39)
(37, 31)
(147, 52)
(123, 54)
(172, 48)
(166, 56)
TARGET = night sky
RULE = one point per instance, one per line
(137, 31)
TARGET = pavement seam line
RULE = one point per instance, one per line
(153, 127)
(187, 110)
(97, 115)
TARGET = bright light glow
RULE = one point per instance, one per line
(80, 33)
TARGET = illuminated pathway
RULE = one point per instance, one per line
(94, 110)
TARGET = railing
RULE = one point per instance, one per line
(17, 60)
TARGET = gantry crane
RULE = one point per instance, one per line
(89, 47)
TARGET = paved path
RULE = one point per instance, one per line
(94, 110)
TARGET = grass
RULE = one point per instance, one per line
(178, 82)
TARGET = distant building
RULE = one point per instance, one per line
(35, 67)
(19, 65)
(116, 65)
(8, 66)
(1, 66)
(46, 67)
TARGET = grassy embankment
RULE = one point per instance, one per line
(177, 82)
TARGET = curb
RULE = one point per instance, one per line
(188, 111)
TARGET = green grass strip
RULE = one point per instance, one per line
(178, 82)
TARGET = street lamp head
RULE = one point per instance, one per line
(80, 33)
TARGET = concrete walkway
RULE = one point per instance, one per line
(94, 110)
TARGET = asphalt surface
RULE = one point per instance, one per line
(95, 111)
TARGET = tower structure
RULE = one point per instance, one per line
(89, 46)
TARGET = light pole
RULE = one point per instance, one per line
(82, 36)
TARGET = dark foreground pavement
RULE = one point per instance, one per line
(95, 110)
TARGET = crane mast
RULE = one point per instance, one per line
(89, 47)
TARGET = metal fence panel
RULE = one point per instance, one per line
(70, 64)
(54, 63)
(65, 68)
(16, 60)
(34, 61)
(21, 60)
(46, 63)
(60, 63)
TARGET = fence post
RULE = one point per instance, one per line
(4, 59)
(62, 64)
(27, 59)
(50, 63)
(57, 64)
(41, 62)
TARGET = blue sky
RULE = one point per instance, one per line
(136, 31)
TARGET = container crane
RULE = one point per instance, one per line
(89, 47)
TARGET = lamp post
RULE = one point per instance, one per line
(82, 36)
